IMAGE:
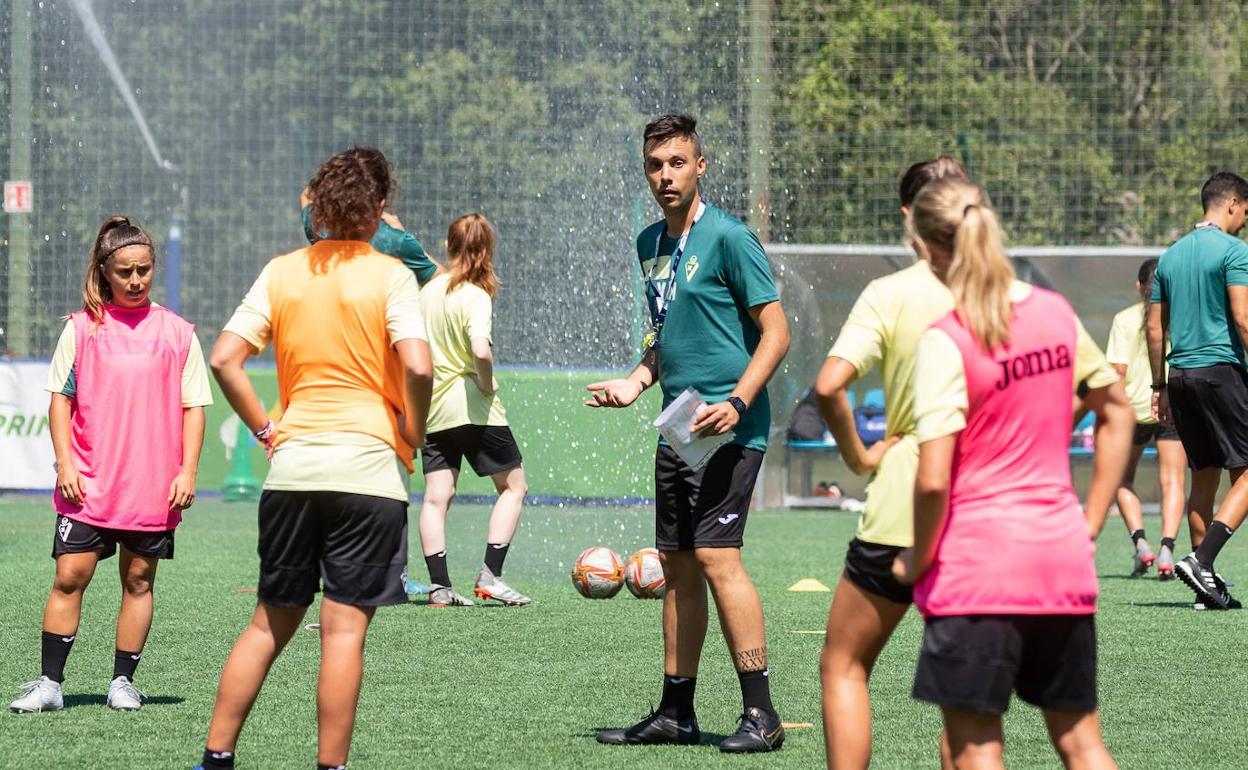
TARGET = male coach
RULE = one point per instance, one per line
(1200, 300)
(719, 329)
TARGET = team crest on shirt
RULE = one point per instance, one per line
(691, 267)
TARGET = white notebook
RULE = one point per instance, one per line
(675, 423)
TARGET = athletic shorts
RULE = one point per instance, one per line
(73, 536)
(870, 567)
(1150, 431)
(490, 449)
(1210, 409)
(355, 545)
(973, 662)
(705, 508)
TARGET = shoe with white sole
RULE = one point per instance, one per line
(1142, 559)
(445, 596)
(489, 586)
(1165, 564)
(122, 696)
(40, 695)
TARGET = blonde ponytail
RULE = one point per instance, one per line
(980, 277)
(955, 215)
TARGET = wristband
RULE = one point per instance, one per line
(266, 433)
(1158, 387)
(737, 404)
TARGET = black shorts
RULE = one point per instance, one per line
(705, 508)
(870, 567)
(490, 449)
(973, 662)
(355, 544)
(1210, 409)
(73, 536)
(1150, 431)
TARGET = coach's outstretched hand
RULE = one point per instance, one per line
(617, 393)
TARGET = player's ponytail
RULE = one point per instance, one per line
(470, 245)
(955, 216)
(115, 234)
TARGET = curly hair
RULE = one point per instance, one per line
(348, 192)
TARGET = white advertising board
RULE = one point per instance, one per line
(26, 454)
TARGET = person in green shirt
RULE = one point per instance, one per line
(1200, 302)
(390, 238)
(718, 329)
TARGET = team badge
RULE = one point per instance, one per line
(691, 267)
(64, 527)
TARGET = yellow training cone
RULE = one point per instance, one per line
(808, 584)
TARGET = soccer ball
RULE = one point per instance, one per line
(644, 574)
(598, 573)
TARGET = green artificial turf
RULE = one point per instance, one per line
(528, 687)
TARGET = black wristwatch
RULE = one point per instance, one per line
(737, 404)
(1158, 387)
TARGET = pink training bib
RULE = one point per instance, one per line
(126, 423)
(1015, 541)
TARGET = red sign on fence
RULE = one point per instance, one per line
(18, 198)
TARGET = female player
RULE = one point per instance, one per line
(128, 388)
(993, 495)
(354, 377)
(466, 417)
(1127, 351)
(883, 328)
(391, 238)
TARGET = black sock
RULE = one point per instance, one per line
(323, 766)
(1215, 538)
(1137, 536)
(1168, 542)
(437, 569)
(217, 760)
(677, 700)
(495, 553)
(124, 663)
(54, 651)
(756, 690)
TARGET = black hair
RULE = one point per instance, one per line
(671, 126)
(1221, 186)
(928, 171)
(1145, 278)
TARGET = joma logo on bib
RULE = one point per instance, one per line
(1033, 363)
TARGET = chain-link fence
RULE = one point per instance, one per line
(1091, 123)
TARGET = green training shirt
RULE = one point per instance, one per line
(1192, 277)
(392, 241)
(708, 336)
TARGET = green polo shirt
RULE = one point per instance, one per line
(392, 241)
(708, 335)
(1192, 277)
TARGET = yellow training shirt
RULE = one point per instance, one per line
(453, 319)
(884, 327)
(1128, 347)
(331, 456)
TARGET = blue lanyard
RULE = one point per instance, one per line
(1205, 225)
(669, 294)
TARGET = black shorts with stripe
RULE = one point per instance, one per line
(1209, 405)
(706, 508)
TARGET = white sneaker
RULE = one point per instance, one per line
(40, 695)
(490, 586)
(445, 596)
(123, 697)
